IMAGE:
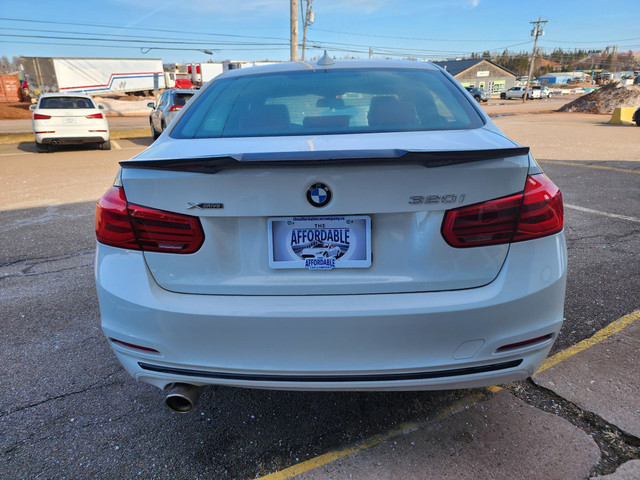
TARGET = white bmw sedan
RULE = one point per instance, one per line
(454, 265)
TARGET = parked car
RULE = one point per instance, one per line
(518, 92)
(543, 89)
(64, 119)
(168, 106)
(454, 266)
(636, 117)
(479, 94)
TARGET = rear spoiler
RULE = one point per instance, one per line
(427, 159)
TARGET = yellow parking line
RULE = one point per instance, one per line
(404, 429)
(467, 401)
(606, 332)
(601, 335)
(599, 167)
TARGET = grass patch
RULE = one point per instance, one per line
(15, 138)
(11, 138)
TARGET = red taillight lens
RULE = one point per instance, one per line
(95, 115)
(535, 213)
(113, 226)
(485, 223)
(542, 210)
(175, 107)
(39, 116)
(121, 224)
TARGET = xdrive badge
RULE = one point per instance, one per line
(204, 205)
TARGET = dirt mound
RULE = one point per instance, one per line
(14, 110)
(605, 99)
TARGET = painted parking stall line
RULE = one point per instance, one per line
(605, 214)
(598, 167)
(405, 429)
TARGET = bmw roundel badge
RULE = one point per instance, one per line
(319, 195)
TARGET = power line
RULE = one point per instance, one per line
(406, 38)
(135, 40)
(130, 36)
(163, 30)
(137, 47)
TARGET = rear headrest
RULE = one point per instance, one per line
(267, 117)
(387, 110)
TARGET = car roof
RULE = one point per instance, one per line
(183, 90)
(335, 65)
(65, 94)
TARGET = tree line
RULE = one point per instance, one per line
(564, 60)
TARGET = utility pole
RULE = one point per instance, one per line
(537, 31)
(308, 17)
(294, 30)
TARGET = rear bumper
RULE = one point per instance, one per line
(409, 341)
(49, 140)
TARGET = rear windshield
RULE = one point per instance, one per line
(66, 102)
(328, 102)
(180, 99)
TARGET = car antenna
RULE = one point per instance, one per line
(326, 60)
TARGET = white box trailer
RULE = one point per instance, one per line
(201, 73)
(92, 75)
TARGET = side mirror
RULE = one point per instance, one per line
(151, 105)
(101, 107)
(32, 107)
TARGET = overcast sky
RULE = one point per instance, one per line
(259, 29)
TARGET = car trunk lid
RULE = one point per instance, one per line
(399, 205)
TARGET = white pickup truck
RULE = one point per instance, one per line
(518, 92)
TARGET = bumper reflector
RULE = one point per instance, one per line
(131, 345)
(525, 343)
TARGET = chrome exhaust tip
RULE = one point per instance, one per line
(182, 397)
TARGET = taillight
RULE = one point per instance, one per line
(535, 213)
(175, 107)
(95, 115)
(542, 210)
(122, 224)
(39, 116)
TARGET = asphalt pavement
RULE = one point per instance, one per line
(68, 410)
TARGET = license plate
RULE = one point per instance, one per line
(320, 243)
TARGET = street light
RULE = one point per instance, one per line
(145, 50)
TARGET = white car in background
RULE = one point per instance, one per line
(544, 91)
(454, 266)
(518, 92)
(66, 119)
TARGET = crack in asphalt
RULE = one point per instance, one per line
(31, 264)
(616, 447)
(21, 275)
(93, 386)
